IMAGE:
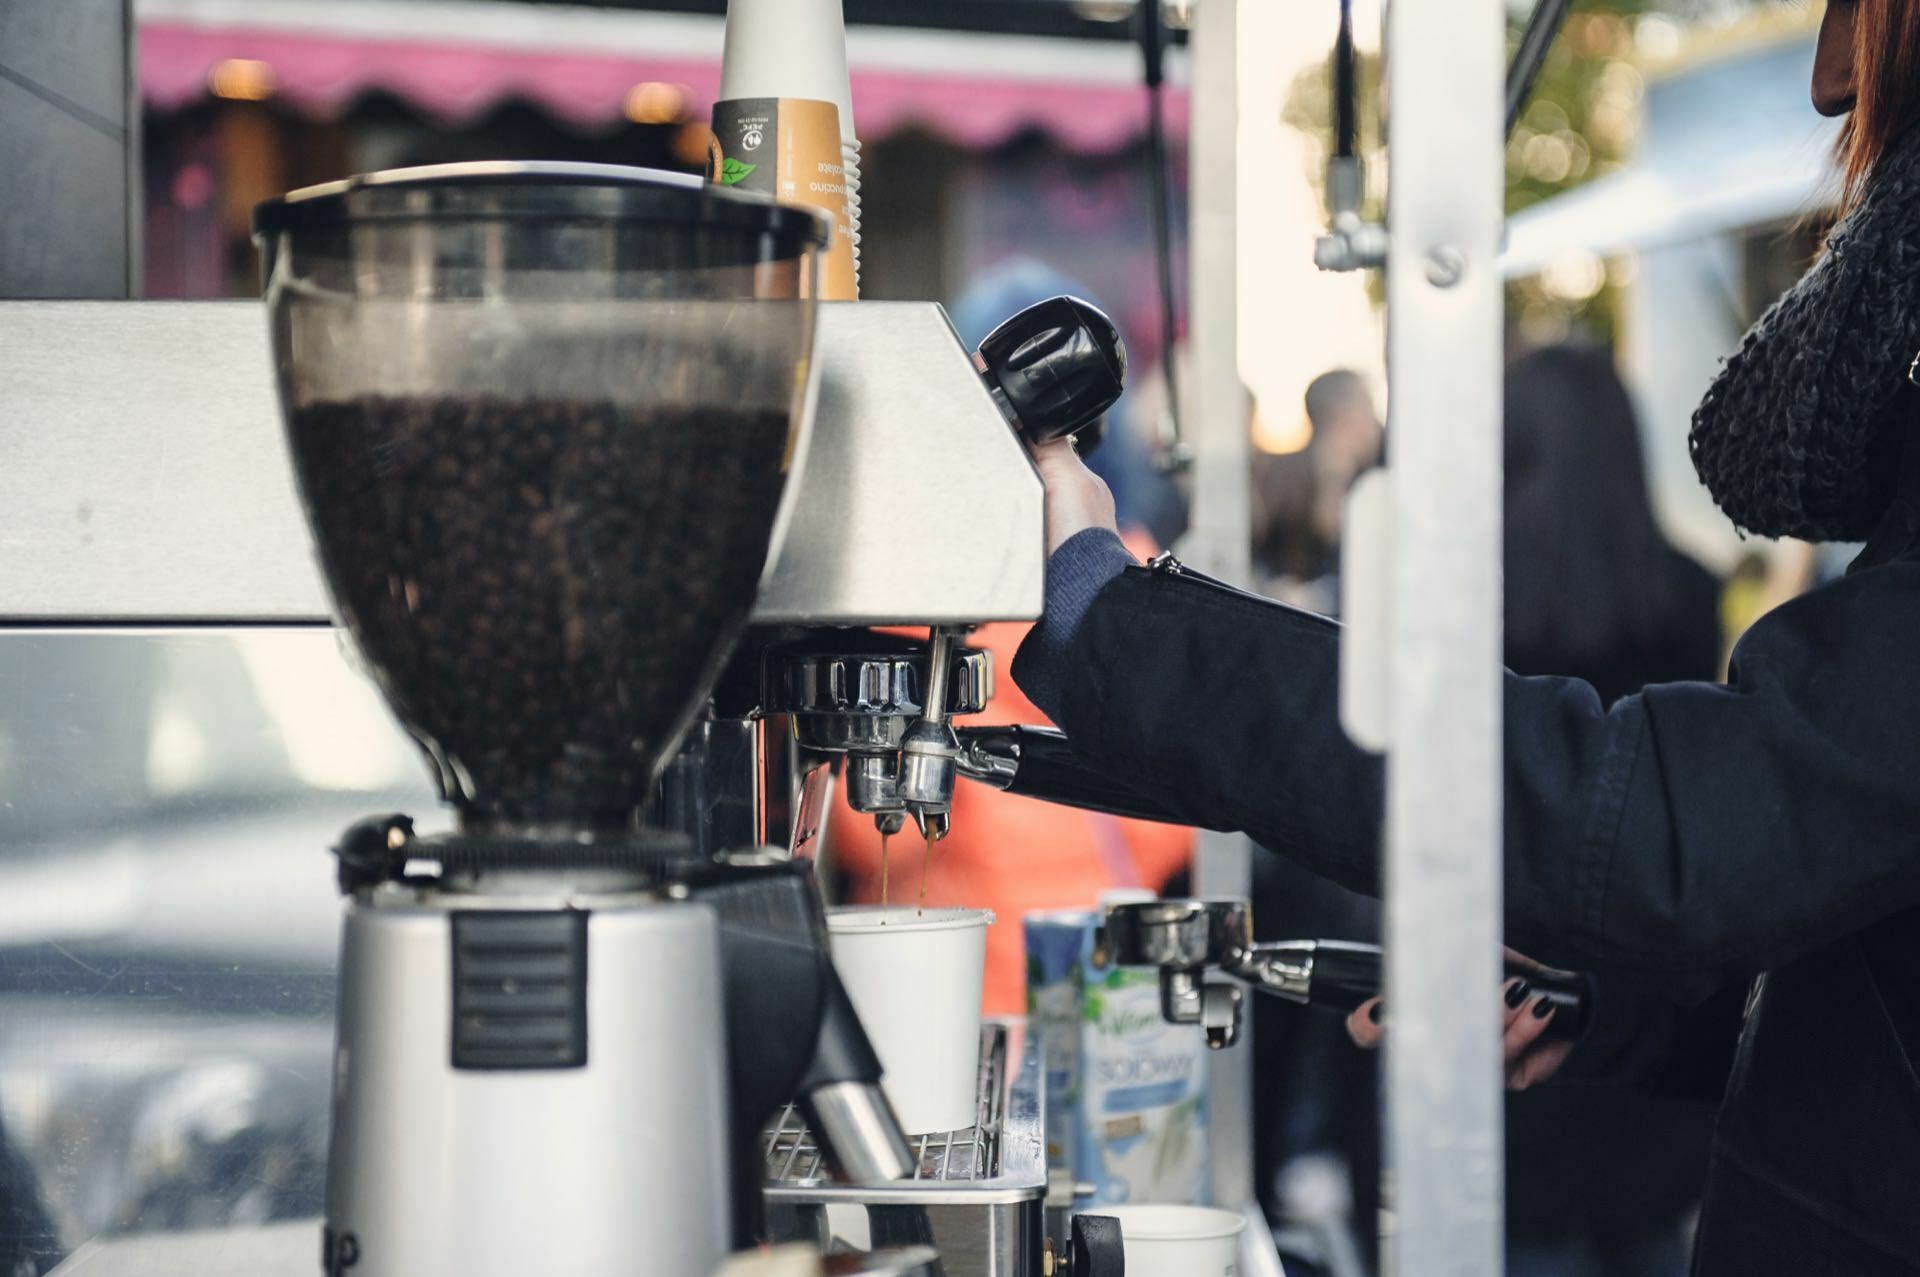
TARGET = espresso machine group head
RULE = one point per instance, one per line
(1052, 371)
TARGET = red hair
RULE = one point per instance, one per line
(1886, 78)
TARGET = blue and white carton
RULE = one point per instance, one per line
(1126, 1091)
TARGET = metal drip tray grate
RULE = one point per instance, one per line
(968, 1155)
(977, 1197)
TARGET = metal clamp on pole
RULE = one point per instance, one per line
(1351, 242)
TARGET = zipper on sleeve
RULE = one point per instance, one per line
(1166, 565)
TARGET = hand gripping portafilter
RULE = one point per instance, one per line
(1188, 940)
(542, 419)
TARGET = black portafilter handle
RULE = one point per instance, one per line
(792, 1030)
(1054, 368)
(1095, 1248)
(1346, 974)
(843, 1052)
(1040, 762)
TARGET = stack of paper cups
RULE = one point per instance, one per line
(850, 159)
(795, 50)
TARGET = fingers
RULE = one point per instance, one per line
(1537, 1065)
(1367, 1025)
(1054, 452)
(1526, 1016)
(1514, 993)
(1515, 958)
(1527, 1020)
(1077, 498)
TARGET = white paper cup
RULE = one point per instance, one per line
(1178, 1241)
(915, 980)
(788, 49)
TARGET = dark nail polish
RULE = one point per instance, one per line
(1542, 1009)
(1375, 1011)
(1517, 993)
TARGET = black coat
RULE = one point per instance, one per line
(1690, 838)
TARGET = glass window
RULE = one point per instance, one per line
(168, 922)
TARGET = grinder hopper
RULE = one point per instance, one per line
(542, 419)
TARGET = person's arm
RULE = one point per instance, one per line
(1695, 827)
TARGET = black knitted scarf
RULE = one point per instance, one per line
(1801, 433)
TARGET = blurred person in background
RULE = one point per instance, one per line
(1600, 1181)
(1299, 498)
(1006, 853)
(1593, 589)
(1689, 844)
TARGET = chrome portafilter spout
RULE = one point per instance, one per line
(873, 787)
(930, 754)
(1188, 938)
(1183, 938)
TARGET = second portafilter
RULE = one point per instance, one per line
(1187, 939)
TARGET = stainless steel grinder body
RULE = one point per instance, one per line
(491, 1167)
(508, 391)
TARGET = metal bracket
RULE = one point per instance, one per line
(1366, 607)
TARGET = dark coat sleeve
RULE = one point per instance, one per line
(1695, 827)
(1665, 1035)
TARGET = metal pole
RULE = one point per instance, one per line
(1218, 540)
(1446, 64)
(1218, 543)
(1537, 41)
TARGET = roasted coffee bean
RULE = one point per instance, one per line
(542, 588)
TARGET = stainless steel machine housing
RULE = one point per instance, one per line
(397, 1009)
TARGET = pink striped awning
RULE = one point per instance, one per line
(322, 73)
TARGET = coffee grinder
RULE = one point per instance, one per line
(542, 419)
